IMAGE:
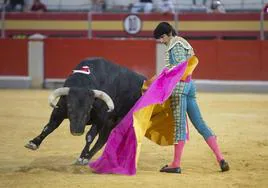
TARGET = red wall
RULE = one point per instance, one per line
(13, 57)
(207, 54)
(62, 55)
(219, 60)
(264, 62)
(231, 60)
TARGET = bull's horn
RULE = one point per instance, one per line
(55, 94)
(106, 98)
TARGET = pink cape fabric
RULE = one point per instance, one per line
(119, 155)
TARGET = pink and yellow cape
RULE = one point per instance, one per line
(150, 117)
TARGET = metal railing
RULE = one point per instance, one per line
(262, 30)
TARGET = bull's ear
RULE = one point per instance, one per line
(105, 97)
(57, 93)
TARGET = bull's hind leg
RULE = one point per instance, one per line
(56, 118)
(91, 134)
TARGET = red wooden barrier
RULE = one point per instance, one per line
(231, 60)
(62, 55)
(207, 54)
(14, 57)
(264, 61)
(239, 60)
(219, 60)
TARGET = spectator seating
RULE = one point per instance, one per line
(122, 5)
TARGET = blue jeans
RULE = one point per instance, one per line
(183, 100)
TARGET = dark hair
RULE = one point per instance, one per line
(164, 28)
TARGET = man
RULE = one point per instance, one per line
(183, 97)
(38, 6)
(11, 5)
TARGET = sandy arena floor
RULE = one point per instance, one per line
(239, 120)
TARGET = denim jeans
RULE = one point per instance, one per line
(183, 100)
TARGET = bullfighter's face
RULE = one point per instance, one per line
(164, 39)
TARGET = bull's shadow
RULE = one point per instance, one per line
(53, 163)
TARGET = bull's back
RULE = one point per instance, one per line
(105, 72)
(101, 68)
(120, 83)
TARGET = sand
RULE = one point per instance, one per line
(239, 120)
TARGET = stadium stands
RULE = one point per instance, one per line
(122, 5)
(181, 5)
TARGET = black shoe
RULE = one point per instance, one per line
(224, 166)
(170, 169)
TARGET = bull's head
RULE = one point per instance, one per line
(79, 105)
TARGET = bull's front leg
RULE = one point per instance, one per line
(90, 136)
(104, 133)
(102, 139)
(56, 119)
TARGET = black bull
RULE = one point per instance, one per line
(98, 93)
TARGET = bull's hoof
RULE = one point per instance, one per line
(31, 145)
(81, 161)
